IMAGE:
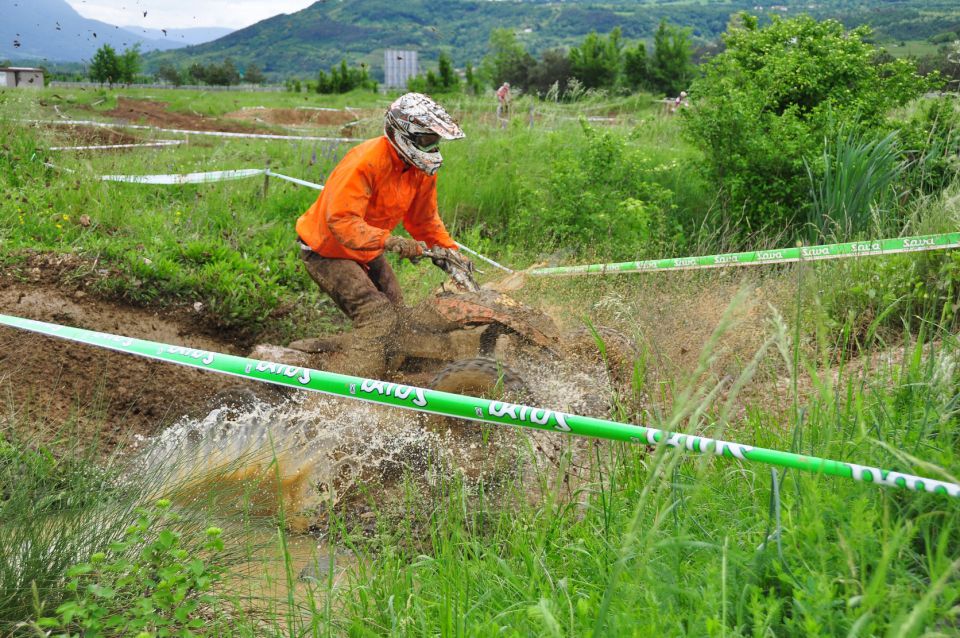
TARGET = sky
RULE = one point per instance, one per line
(173, 14)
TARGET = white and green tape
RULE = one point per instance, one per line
(917, 243)
(208, 177)
(188, 178)
(111, 147)
(177, 131)
(475, 409)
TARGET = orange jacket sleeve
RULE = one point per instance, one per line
(346, 209)
(423, 221)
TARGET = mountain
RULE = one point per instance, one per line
(182, 37)
(359, 30)
(52, 30)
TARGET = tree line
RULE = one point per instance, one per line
(109, 67)
(599, 62)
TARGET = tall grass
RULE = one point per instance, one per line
(673, 544)
(853, 194)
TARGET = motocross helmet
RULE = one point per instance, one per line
(415, 124)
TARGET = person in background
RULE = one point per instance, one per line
(503, 104)
(343, 235)
(680, 101)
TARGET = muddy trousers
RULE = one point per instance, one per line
(370, 296)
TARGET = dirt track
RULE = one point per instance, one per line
(102, 394)
(297, 117)
(157, 114)
(86, 135)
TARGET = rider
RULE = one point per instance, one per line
(378, 184)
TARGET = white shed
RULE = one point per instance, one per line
(18, 77)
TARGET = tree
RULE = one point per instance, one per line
(105, 66)
(636, 67)
(130, 64)
(473, 82)
(671, 68)
(507, 60)
(253, 75)
(552, 70)
(766, 104)
(224, 74)
(197, 72)
(171, 74)
(342, 79)
(596, 63)
(449, 80)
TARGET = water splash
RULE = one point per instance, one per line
(311, 451)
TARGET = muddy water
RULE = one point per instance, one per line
(309, 452)
(299, 457)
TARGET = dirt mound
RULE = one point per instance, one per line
(101, 394)
(157, 114)
(296, 117)
(67, 135)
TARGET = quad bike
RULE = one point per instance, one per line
(463, 337)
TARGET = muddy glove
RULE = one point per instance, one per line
(453, 257)
(405, 247)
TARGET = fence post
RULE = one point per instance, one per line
(266, 180)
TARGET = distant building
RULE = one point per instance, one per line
(16, 77)
(398, 67)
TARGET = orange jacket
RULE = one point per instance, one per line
(369, 192)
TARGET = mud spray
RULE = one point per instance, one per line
(309, 452)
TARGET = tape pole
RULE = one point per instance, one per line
(917, 243)
(484, 258)
(475, 409)
(189, 178)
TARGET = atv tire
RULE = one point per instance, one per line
(479, 378)
(484, 378)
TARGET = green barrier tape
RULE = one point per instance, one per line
(757, 257)
(474, 409)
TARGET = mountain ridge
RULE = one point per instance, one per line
(52, 31)
(327, 31)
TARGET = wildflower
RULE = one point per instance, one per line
(60, 226)
(66, 218)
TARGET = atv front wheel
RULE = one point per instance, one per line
(479, 378)
(483, 378)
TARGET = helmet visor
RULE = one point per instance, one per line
(426, 141)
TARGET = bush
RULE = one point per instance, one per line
(767, 103)
(343, 79)
(931, 139)
(603, 194)
(145, 585)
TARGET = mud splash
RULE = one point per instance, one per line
(310, 452)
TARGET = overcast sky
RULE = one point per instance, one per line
(163, 14)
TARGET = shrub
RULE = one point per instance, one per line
(145, 584)
(768, 101)
(601, 193)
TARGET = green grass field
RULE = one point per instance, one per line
(850, 360)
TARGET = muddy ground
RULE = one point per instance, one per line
(158, 114)
(300, 116)
(66, 135)
(48, 383)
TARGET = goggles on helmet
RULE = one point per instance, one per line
(426, 141)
